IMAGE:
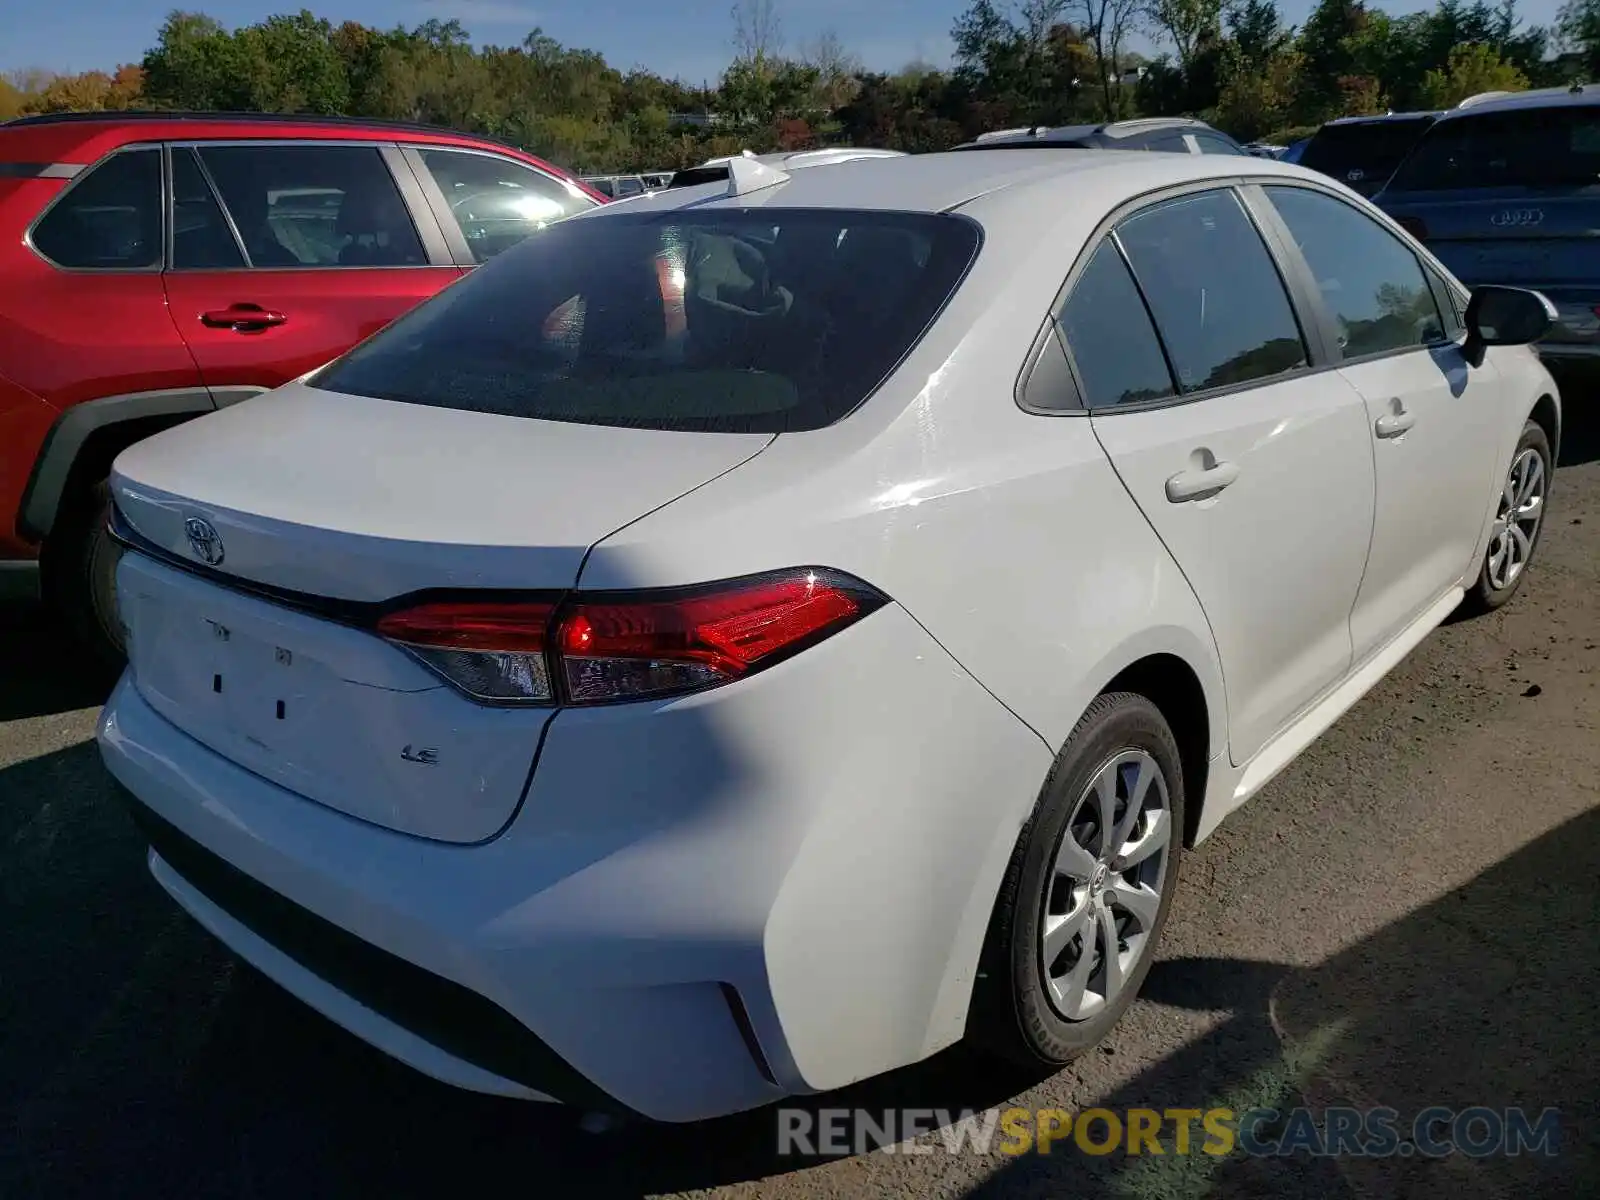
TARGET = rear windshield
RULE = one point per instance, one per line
(759, 321)
(1374, 148)
(1528, 147)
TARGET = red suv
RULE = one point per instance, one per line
(155, 267)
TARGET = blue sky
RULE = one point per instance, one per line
(687, 38)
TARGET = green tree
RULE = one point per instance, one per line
(195, 65)
(1187, 24)
(1327, 47)
(292, 65)
(1258, 97)
(1469, 70)
(1578, 24)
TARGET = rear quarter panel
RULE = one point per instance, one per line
(1006, 534)
(25, 421)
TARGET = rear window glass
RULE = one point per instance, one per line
(762, 321)
(1374, 148)
(1529, 147)
(110, 219)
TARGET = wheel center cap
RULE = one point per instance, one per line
(1097, 881)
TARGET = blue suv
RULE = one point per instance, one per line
(1507, 190)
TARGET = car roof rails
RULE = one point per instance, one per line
(1482, 96)
(315, 120)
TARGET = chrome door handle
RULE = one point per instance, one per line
(1200, 483)
(1394, 424)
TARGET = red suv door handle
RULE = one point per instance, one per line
(242, 318)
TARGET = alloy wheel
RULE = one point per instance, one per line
(1517, 519)
(1104, 892)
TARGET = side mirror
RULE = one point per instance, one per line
(1505, 316)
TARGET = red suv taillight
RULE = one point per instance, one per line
(603, 647)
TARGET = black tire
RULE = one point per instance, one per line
(1483, 596)
(79, 565)
(1013, 1014)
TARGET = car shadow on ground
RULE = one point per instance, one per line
(136, 1058)
(1580, 415)
(1490, 996)
(41, 672)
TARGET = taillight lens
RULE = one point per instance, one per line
(634, 647)
(603, 648)
(491, 651)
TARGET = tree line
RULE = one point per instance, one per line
(1016, 62)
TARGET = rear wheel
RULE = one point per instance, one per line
(80, 571)
(1518, 523)
(1088, 889)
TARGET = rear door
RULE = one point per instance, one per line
(1435, 421)
(286, 254)
(1255, 471)
(83, 315)
(487, 203)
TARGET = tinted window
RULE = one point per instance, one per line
(315, 206)
(1210, 143)
(498, 202)
(630, 186)
(1171, 143)
(1371, 283)
(1372, 148)
(761, 321)
(1528, 147)
(201, 238)
(1108, 330)
(109, 219)
(1217, 298)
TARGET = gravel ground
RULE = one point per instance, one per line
(1408, 916)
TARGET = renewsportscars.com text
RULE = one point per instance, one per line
(1336, 1132)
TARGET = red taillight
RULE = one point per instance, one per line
(471, 625)
(613, 647)
(492, 651)
(1415, 226)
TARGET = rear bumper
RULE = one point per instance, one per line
(1568, 352)
(772, 888)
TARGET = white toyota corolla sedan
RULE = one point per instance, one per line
(747, 641)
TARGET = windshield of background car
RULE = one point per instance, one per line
(758, 321)
(1375, 148)
(1524, 147)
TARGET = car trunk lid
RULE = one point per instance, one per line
(277, 530)
(361, 499)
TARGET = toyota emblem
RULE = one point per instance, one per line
(204, 541)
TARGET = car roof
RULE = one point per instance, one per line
(1380, 118)
(1577, 96)
(85, 136)
(943, 182)
(790, 159)
(1046, 135)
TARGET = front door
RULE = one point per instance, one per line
(1433, 420)
(286, 255)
